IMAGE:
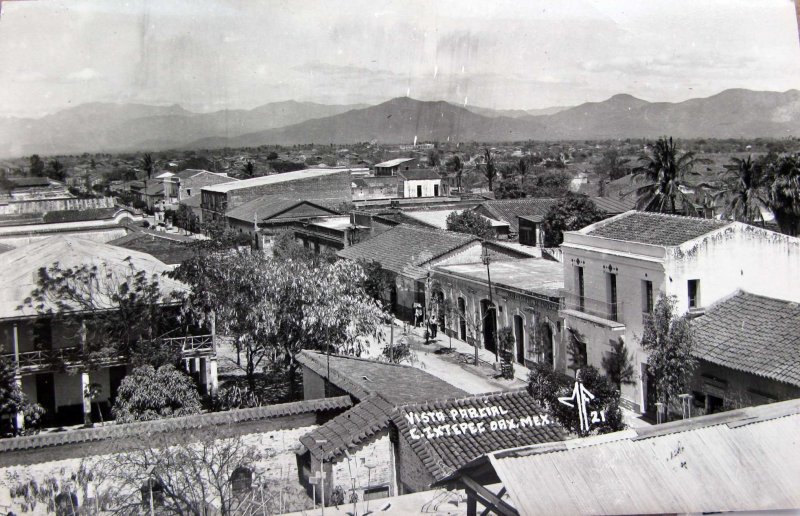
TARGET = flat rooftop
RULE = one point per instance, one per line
(438, 218)
(393, 162)
(543, 277)
(308, 173)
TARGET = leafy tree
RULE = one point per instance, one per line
(505, 343)
(57, 171)
(605, 402)
(576, 349)
(148, 393)
(272, 156)
(489, 167)
(249, 169)
(524, 167)
(612, 165)
(618, 365)
(11, 397)
(377, 280)
(276, 308)
(784, 192)
(668, 341)
(148, 164)
(546, 386)
(433, 158)
(551, 183)
(664, 171)
(470, 222)
(36, 166)
(509, 189)
(455, 165)
(573, 212)
(107, 312)
(286, 247)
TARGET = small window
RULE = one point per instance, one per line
(647, 296)
(694, 293)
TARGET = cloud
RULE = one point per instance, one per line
(87, 74)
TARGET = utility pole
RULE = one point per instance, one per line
(490, 310)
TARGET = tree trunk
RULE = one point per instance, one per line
(292, 375)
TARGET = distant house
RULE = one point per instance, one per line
(186, 183)
(421, 182)
(409, 253)
(378, 187)
(330, 184)
(525, 216)
(28, 188)
(40, 348)
(394, 166)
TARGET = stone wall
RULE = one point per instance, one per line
(412, 474)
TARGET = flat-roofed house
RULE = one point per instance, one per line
(421, 182)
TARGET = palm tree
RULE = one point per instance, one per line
(249, 169)
(783, 197)
(489, 169)
(522, 170)
(743, 191)
(148, 164)
(664, 170)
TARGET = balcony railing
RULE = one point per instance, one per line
(192, 346)
(595, 307)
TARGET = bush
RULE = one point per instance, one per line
(470, 222)
(148, 393)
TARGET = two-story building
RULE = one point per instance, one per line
(615, 269)
(47, 351)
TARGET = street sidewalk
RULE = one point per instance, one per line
(521, 372)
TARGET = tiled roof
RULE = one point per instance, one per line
(349, 429)
(403, 249)
(613, 206)
(272, 206)
(445, 452)
(363, 378)
(119, 432)
(654, 228)
(25, 182)
(419, 174)
(168, 250)
(509, 209)
(53, 217)
(750, 333)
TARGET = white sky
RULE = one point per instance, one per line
(213, 54)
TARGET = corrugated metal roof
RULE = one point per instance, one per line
(393, 162)
(275, 178)
(742, 460)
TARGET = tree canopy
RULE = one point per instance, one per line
(470, 222)
(573, 212)
(664, 170)
(275, 308)
(667, 338)
(148, 393)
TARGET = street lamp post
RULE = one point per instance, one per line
(486, 259)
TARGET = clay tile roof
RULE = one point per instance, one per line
(404, 249)
(654, 228)
(349, 429)
(509, 210)
(117, 435)
(443, 453)
(754, 334)
(362, 378)
(57, 216)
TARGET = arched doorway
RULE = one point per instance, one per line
(462, 319)
(489, 318)
(519, 337)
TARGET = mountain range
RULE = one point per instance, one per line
(101, 127)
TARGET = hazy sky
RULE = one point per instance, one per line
(213, 54)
